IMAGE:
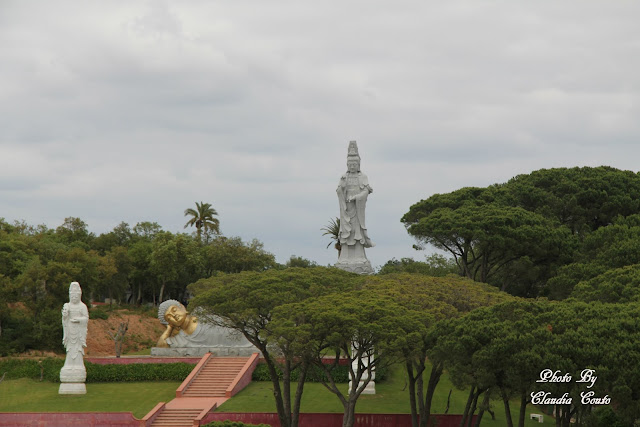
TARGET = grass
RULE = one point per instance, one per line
(391, 397)
(24, 395)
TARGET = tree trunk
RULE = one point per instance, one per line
(474, 405)
(434, 378)
(507, 410)
(283, 416)
(118, 337)
(295, 416)
(412, 394)
(420, 395)
(349, 417)
(161, 292)
(286, 386)
(483, 407)
(467, 406)
(523, 407)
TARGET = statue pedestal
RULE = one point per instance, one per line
(72, 380)
(201, 351)
(72, 388)
(369, 389)
(354, 259)
(356, 266)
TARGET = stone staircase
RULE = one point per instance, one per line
(176, 417)
(211, 383)
(215, 377)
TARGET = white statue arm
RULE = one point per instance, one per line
(65, 318)
(84, 320)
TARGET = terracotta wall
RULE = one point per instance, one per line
(68, 419)
(332, 420)
(129, 360)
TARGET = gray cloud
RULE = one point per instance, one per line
(134, 110)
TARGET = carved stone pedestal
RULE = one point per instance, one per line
(356, 266)
(72, 380)
(369, 389)
(201, 351)
(72, 388)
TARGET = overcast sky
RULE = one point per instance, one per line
(133, 110)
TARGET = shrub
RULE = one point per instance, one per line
(138, 372)
(96, 313)
(315, 374)
(30, 368)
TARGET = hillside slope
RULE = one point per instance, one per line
(143, 333)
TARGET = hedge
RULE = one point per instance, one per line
(49, 368)
(315, 374)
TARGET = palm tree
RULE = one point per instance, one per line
(202, 218)
(333, 230)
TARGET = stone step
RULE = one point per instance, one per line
(215, 377)
(176, 417)
(230, 365)
(208, 387)
(209, 395)
(218, 373)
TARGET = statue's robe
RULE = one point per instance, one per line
(352, 214)
(75, 333)
(208, 335)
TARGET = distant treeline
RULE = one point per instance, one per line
(548, 233)
(138, 265)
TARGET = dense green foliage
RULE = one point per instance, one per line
(503, 349)
(340, 374)
(435, 265)
(96, 313)
(298, 261)
(49, 369)
(255, 305)
(539, 233)
(561, 233)
(138, 265)
(306, 313)
(608, 257)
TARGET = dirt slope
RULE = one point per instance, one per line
(143, 333)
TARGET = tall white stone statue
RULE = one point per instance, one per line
(353, 191)
(75, 318)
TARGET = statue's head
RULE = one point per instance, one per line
(353, 158)
(173, 312)
(75, 292)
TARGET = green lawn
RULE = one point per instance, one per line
(391, 396)
(24, 395)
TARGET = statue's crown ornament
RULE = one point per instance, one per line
(352, 153)
(74, 288)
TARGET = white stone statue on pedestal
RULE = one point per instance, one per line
(75, 318)
(353, 191)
